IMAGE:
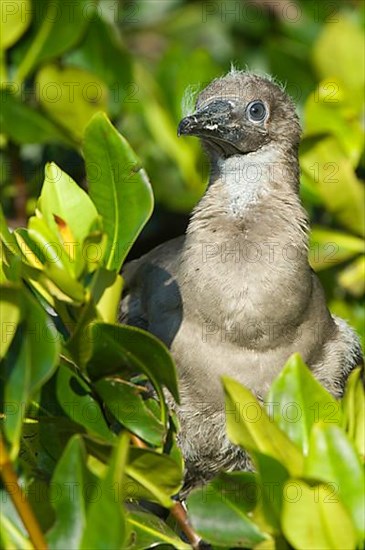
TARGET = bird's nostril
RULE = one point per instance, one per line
(184, 125)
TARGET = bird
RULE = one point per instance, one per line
(236, 296)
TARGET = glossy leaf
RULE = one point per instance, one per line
(109, 303)
(118, 186)
(218, 511)
(125, 403)
(106, 523)
(70, 483)
(296, 401)
(62, 197)
(273, 477)
(36, 274)
(249, 426)
(152, 476)
(313, 518)
(147, 531)
(57, 263)
(332, 458)
(76, 399)
(28, 365)
(122, 349)
(10, 315)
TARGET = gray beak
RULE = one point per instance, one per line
(208, 121)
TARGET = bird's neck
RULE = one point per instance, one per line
(255, 194)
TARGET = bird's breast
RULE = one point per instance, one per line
(249, 298)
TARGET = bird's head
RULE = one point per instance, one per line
(241, 113)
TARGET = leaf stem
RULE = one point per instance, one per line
(19, 499)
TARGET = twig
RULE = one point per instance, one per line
(19, 500)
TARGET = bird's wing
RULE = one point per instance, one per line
(151, 295)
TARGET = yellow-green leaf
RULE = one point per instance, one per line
(16, 16)
(71, 96)
(339, 52)
(352, 278)
(313, 518)
(329, 247)
(249, 426)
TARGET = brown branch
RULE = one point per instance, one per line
(20, 502)
(178, 511)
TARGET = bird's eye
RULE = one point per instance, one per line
(256, 111)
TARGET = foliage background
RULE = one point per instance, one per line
(136, 60)
(63, 62)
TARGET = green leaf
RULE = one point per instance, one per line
(118, 186)
(339, 52)
(152, 476)
(108, 302)
(56, 28)
(73, 97)
(218, 511)
(273, 477)
(124, 401)
(38, 275)
(28, 365)
(106, 523)
(15, 18)
(118, 349)
(13, 534)
(249, 426)
(76, 343)
(6, 236)
(162, 127)
(313, 518)
(57, 266)
(353, 406)
(329, 247)
(333, 175)
(76, 399)
(103, 54)
(24, 124)
(332, 458)
(330, 109)
(71, 481)
(10, 315)
(296, 400)
(62, 197)
(149, 530)
(352, 278)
